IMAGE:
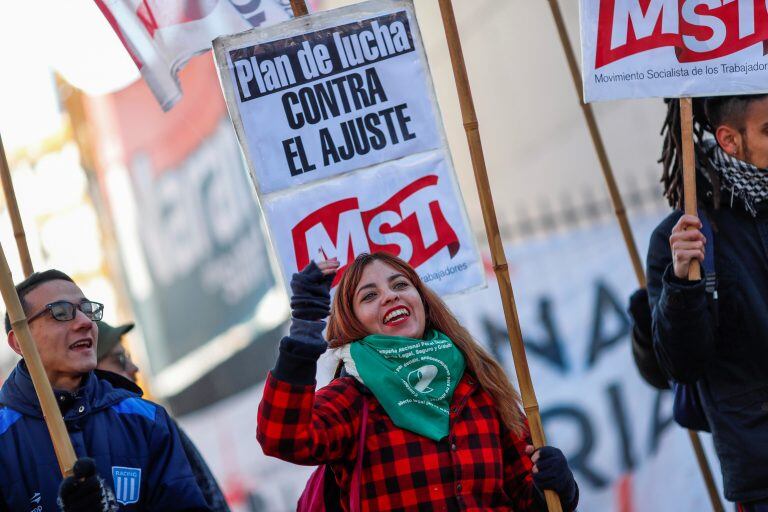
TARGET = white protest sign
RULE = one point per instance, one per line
(320, 96)
(408, 207)
(339, 123)
(673, 48)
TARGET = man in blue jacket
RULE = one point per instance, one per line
(715, 334)
(130, 456)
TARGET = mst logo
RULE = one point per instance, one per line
(698, 29)
(410, 225)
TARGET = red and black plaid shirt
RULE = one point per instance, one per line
(479, 466)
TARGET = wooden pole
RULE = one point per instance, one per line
(689, 172)
(299, 8)
(13, 211)
(498, 257)
(709, 480)
(621, 216)
(694, 271)
(62, 445)
(597, 141)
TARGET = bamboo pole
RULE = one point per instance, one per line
(694, 271)
(471, 127)
(13, 211)
(689, 172)
(597, 141)
(709, 480)
(299, 8)
(621, 216)
(62, 445)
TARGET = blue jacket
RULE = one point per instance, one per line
(135, 445)
(722, 348)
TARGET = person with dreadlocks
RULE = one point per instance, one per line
(713, 336)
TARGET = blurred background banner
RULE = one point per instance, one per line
(162, 35)
(187, 226)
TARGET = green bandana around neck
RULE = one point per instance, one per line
(413, 379)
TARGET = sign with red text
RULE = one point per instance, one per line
(409, 207)
(338, 121)
(673, 48)
(318, 97)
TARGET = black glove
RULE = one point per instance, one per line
(311, 293)
(554, 474)
(84, 491)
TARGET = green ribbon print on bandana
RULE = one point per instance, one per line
(413, 379)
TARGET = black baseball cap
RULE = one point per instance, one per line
(109, 337)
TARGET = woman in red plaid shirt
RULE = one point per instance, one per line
(445, 429)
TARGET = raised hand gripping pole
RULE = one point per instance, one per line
(689, 172)
(694, 271)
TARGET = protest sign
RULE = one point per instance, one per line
(340, 127)
(673, 48)
(321, 103)
(408, 208)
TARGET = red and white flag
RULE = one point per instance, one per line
(162, 35)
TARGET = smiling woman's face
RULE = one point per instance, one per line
(386, 302)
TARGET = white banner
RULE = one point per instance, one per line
(323, 102)
(673, 48)
(408, 207)
(340, 126)
(626, 453)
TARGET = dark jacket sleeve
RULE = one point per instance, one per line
(299, 352)
(300, 425)
(174, 486)
(683, 333)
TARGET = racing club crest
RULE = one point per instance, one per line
(127, 482)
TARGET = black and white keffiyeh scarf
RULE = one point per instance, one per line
(739, 178)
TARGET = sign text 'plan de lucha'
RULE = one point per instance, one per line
(340, 127)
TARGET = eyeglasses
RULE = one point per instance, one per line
(64, 311)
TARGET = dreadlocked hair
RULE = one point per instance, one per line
(672, 150)
(708, 114)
